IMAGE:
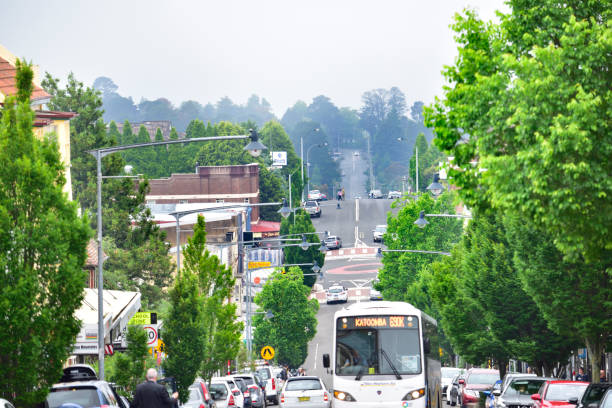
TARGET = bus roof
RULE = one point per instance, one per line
(382, 308)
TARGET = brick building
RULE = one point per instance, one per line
(209, 184)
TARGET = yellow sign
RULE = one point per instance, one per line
(141, 318)
(259, 264)
(267, 353)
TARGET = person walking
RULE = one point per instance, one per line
(150, 394)
(343, 197)
(581, 375)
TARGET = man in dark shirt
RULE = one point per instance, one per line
(150, 394)
(582, 376)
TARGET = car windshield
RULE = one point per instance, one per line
(264, 373)
(564, 392)
(483, 378)
(389, 346)
(241, 385)
(331, 239)
(248, 380)
(523, 387)
(311, 204)
(85, 397)
(381, 229)
(218, 391)
(194, 395)
(336, 290)
(303, 385)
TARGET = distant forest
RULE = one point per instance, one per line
(384, 117)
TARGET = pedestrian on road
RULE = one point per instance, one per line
(581, 375)
(602, 376)
(150, 394)
(301, 372)
(343, 197)
(339, 195)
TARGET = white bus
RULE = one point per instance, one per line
(385, 354)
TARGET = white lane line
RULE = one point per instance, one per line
(316, 352)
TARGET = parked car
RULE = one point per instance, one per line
(379, 232)
(375, 294)
(306, 391)
(80, 385)
(392, 195)
(221, 393)
(455, 387)
(476, 380)
(510, 376)
(519, 391)
(314, 195)
(199, 397)
(312, 207)
(244, 389)
(333, 242)
(376, 194)
(592, 395)
(5, 404)
(272, 390)
(447, 373)
(336, 293)
(256, 388)
(355, 153)
(558, 393)
(606, 400)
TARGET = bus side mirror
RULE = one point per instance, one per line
(426, 345)
(326, 360)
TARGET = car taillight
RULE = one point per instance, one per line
(325, 397)
(282, 398)
(202, 406)
(231, 403)
(273, 384)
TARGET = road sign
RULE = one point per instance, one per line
(259, 264)
(267, 353)
(143, 318)
(257, 280)
(279, 158)
(151, 335)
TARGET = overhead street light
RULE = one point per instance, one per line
(436, 188)
(255, 147)
(421, 222)
(285, 211)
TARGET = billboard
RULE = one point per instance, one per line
(279, 158)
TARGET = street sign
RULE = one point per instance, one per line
(152, 338)
(259, 264)
(143, 318)
(279, 158)
(267, 353)
(257, 280)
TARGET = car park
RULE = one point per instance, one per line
(447, 373)
(392, 195)
(265, 372)
(315, 195)
(475, 381)
(558, 393)
(304, 391)
(312, 208)
(378, 232)
(256, 388)
(80, 385)
(518, 392)
(336, 293)
(592, 396)
(333, 242)
(376, 194)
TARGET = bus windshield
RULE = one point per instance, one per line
(377, 345)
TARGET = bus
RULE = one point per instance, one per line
(385, 354)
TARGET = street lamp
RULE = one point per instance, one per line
(421, 222)
(254, 149)
(302, 159)
(436, 188)
(308, 161)
(284, 211)
(379, 252)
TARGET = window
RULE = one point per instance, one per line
(183, 201)
(303, 385)
(247, 200)
(219, 201)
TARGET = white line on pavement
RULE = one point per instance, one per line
(316, 351)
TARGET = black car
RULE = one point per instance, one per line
(592, 396)
(518, 392)
(80, 385)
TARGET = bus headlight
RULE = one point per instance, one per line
(344, 396)
(412, 395)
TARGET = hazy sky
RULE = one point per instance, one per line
(282, 50)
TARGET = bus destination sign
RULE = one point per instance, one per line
(377, 322)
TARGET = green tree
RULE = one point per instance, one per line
(296, 224)
(528, 101)
(294, 323)
(42, 253)
(216, 283)
(129, 368)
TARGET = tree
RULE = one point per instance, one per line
(42, 253)
(129, 368)
(528, 101)
(294, 323)
(298, 223)
(216, 283)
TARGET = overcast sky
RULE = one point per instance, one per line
(282, 50)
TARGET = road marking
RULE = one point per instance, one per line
(316, 351)
(356, 212)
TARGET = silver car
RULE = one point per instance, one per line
(306, 391)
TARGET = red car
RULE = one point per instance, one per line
(476, 380)
(556, 394)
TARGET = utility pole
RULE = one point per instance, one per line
(417, 168)
(372, 180)
(302, 163)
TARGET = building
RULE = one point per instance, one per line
(46, 122)
(151, 125)
(209, 184)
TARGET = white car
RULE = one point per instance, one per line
(265, 372)
(5, 404)
(304, 391)
(222, 395)
(336, 293)
(235, 390)
(394, 194)
(447, 377)
(379, 232)
(355, 153)
(315, 195)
